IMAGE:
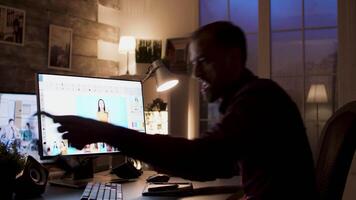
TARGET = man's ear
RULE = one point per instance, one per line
(234, 57)
(237, 53)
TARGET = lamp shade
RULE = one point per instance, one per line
(127, 44)
(317, 94)
(164, 78)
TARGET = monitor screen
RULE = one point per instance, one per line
(17, 124)
(119, 102)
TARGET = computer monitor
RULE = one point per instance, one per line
(119, 102)
(17, 124)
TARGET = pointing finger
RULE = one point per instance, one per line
(62, 129)
(44, 113)
(56, 118)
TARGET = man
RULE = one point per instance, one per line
(261, 133)
(9, 133)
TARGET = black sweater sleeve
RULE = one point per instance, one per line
(199, 159)
(206, 158)
(237, 135)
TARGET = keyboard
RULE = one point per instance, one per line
(104, 191)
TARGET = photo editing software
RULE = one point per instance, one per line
(119, 102)
(18, 126)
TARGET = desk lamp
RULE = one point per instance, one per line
(317, 94)
(127, 45)
(164, 78)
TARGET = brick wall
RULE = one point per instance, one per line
(18, 64)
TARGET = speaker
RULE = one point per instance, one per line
(130, 169)
(32, 180)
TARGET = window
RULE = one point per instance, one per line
(213, 10)
(303, 50)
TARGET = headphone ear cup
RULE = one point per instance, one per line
(32, 180)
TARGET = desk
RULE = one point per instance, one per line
(133, 190)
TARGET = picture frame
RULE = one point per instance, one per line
(12, 25)
(148, 50)
(177, 53)
(60, 47)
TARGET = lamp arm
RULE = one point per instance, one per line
(151, 69)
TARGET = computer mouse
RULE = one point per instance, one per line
(158, 178)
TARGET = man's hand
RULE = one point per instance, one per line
(81, 131)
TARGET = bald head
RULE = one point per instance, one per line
(217, 53)
(225, 35)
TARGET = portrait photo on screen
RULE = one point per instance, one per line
(119, 102)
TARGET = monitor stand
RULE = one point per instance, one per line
(79, 171)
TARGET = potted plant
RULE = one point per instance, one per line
(11, 163)
(156, 117)
(157, 105)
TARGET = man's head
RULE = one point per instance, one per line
(11, 122)
(218, 55)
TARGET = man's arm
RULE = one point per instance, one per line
(200, 159)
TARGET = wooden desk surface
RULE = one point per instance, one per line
(133, 190)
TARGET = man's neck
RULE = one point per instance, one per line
(245, 76)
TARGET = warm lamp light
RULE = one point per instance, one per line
(317, 94)
(164, 78)
(167, 85)
(127, 45)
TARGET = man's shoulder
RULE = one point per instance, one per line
(257, 92)
(261, 91)
(261, 85)
(263, 82)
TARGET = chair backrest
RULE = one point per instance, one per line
(337, 148)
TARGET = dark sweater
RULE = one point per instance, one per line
(261, 134)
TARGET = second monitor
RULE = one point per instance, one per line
(119, 102)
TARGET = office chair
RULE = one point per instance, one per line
(336, 152)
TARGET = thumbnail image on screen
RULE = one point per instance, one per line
(119, 102)
(17, 124)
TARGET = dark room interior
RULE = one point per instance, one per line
(307, 47)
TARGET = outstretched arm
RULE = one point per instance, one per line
(201, 159)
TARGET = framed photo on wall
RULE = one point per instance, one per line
(176, 54)
(12, 25)
(148, 50)
(60, 47)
